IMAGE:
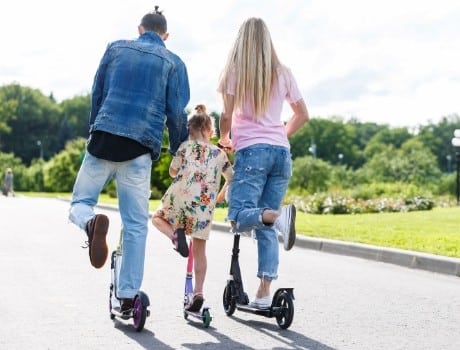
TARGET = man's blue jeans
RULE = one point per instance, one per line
(133, 188)
(262, 174)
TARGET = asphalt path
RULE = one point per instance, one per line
(51, 297)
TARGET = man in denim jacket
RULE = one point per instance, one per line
(138, 88)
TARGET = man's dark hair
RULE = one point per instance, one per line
(155, 22)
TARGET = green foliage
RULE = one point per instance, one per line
(412, 163)
(74, 120)
(60, 171)
(34, 179)
(111, 189)
(310, 175)
(349, 156)
(33, 116)
(330, 138)
(160, 178)
(34, 125)
(333, 203)
(446, 185)
(386, 189)
(385, 137)
(437, 138)
(155, 193)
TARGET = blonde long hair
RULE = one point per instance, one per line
(253, 59)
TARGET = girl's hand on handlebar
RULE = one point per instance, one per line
(226, 145)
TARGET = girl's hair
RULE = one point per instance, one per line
(200, 121)
(253, 60)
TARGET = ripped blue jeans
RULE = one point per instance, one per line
(262, 174)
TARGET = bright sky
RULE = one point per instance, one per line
(393, 62)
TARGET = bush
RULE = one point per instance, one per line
(310, 174)
(326, 203)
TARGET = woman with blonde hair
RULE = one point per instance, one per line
(254, 85)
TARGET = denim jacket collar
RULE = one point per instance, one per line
(152, 36)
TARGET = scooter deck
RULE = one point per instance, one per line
(203, 315)
(124, 316)
(197, 314)
(268, 312)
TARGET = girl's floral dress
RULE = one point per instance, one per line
(190, 200)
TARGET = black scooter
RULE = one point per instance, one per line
(235, 298)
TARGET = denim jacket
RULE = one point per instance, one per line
(138, 87)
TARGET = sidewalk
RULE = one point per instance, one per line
(405, 258)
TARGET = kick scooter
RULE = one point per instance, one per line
(235, 298)
(139, 313)
(203, 314)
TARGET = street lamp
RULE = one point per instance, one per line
(312, 148)
(39, 144)
(449, 163)
(456, 144)
(340, 156)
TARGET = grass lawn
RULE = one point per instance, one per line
(435, 231)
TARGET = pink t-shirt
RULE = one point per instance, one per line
(270, 128)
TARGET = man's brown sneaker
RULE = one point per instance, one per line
(126, 308)
(97, 228)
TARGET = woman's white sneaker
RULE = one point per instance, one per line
(285, 223)
(261, 303)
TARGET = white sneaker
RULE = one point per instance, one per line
(285, 223)
(261, 303)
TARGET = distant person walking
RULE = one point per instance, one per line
(254, 86)
(138, 88)
(8, 182)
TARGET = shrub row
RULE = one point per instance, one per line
(326, 203)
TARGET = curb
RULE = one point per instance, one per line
(405, 258)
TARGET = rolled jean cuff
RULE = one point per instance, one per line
(248, 219)
(267, 276)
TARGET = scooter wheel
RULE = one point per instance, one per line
(286, 310)
(139, 314)
(228, 298)
(206, 318)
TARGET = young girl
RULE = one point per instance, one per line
(188, 204)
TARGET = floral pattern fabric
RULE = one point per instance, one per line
(190, 200)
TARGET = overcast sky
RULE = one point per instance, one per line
(393, 62)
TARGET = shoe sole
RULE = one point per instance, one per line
(259, 306)
(196, 305)
(99, 250)
(292, 231)
(182, 247)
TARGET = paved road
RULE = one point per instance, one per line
(51, 298)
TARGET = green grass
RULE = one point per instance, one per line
(435, 231)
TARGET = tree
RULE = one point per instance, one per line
(74, 119)
(437, 138)
(385, 137)
(61, 170)
(34, 118)
(412, 163)
(330, 137)
(310, 175)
